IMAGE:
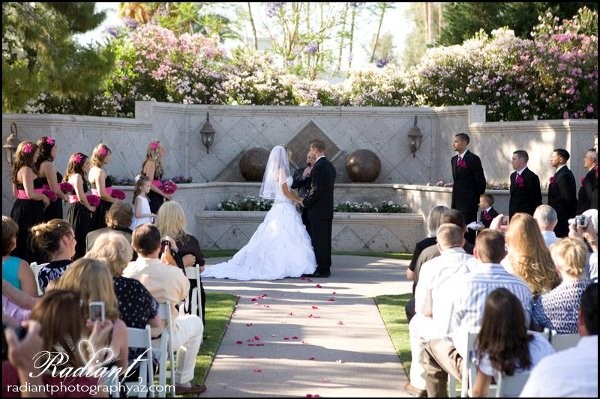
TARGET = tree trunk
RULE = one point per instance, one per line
(350, 56)
(342, 36)
(383, 8)
(253, 26)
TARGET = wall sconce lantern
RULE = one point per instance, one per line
(415, 137)
(11, 143)
(208, 134)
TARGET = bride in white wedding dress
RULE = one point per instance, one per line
(281, 246)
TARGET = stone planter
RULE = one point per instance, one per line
(393, 232)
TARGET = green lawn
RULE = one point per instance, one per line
(391, 308)
(219, 308)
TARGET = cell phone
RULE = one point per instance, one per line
(97, 311)
(581, 220)
(165, 242)
(20, 331)
(504, 221)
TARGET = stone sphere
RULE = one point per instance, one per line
(363, 166)
(253, 163)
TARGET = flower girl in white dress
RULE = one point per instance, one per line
(141, 206)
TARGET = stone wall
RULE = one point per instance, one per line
(383, 130)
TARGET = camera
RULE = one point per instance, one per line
(165, 242)
(580, 221)
(97, 311)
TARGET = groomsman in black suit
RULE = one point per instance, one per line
(301, 182)
(525, 190)
(562, 191)
(319, 208)
(469, 181)
(587, 198)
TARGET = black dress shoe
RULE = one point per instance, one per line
(321, 274)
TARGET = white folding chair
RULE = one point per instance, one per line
(510, 386)
(35, 267)
(469, 370)
(563, 341)
(165, 349)
(193, 273)
(142, 338)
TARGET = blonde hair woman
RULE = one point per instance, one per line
(91, 278)
(528, 256)
(171, 222)
(559, 308)
(153, 168)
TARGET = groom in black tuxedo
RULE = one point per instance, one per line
(525, 190)
(319, 208)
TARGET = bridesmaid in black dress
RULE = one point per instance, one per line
(28, 209)
(79, 210)
(50, 177)
(153, 168)
(101, 184)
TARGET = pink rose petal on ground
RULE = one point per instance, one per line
(254, 299)
(291, 314)
(257, 370)
(341, 323)
(256, 337)
(315, 307)
(318, 286)
(310, 315)
(249, 324)
(286, 338)
(239, 342)
(264, 296)
(311, 358)
(333, 293)
(250, 344)
(331, 299)
(261, 344)
(295, 337)
(267, 306)
(303, 341)
(324, 379)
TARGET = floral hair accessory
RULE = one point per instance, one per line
(50, 141)
(28, 148)
(102, 151)
(77, 158)
(154, 145)
(137, 178)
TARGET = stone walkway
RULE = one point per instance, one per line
(311, 337)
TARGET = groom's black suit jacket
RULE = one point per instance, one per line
(319, 201)
(469, 184)
(562, 196)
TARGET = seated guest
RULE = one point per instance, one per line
(15, 270)
(118, 218)
(528, 257)
(468, 302)
(57, 239)
(546, 218)
(168, 283)
(558, 309)
(504, 343)
(589, 234)
(63, 325)
(93, 281)
(571, 372)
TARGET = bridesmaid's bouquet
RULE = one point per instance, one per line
(118, 194)
(168, 186)
(66, 187)
(93, 200)
(50, 194)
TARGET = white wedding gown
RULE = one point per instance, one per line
(279, 248)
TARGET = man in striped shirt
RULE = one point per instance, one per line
(446, 355)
